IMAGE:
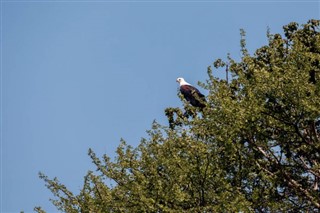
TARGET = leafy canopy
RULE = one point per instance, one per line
(254, 148)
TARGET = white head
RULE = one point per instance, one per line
(181, 81)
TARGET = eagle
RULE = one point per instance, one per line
(191, 94)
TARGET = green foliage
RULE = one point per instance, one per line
(254, 148)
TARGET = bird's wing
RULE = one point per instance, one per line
(190, 90)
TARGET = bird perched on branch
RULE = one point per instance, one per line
(191, 94)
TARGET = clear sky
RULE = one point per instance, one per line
(83, 74)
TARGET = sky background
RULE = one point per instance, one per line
(84, 74)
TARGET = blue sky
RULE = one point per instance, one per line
(78, 75)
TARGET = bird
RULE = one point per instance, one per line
(191, 94)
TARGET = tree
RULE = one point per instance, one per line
(254, 148)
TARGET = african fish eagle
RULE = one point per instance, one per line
(191, 94)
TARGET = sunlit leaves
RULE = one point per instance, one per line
(255, 147)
